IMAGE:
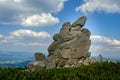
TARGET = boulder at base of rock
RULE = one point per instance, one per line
(39, 56)
(36, 65)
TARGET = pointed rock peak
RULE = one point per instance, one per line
(80, 22)
(66, 24)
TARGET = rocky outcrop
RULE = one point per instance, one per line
(72, 42)
(39, 56)
(39, 63)
(36, 65)
(71, 45)
(69, 48)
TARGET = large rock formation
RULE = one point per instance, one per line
(72, 42)
(69, 48)
(70, 45)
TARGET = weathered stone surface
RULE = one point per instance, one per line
(86, 31)
(77, 28)
(100, 59)
(65, 30)
(36, 65)
(39, 56)
(71, 62)
(52, 47)
(50, 65)
(56, 37)
(61, 63)
(79, 22)
(51, 58)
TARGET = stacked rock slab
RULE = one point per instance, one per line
(72, 42)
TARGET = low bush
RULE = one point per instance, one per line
(96, 71)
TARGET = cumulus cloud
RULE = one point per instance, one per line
(29, 34)
(25, 40)
(109, 6)
(105, 40)
(105, 46)
(32, 44)
(40, 20)
(2, 39)
(118, 47)
(1, 36)
(15, 11)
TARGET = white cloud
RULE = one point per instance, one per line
(17, 1)
(32, 44)
(105, 40)
(1, 36)
(61, 5)
(25, 40)
(118, 47)
(4, 41)
(109, 6)
(40, 20)
(29, 34)
(105, 46)
(15, 11)
(116, 42)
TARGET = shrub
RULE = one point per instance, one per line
(96, 71)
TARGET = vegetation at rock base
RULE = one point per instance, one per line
(96, 71)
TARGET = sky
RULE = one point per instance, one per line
(28, 25)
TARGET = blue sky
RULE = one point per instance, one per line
(28, 25)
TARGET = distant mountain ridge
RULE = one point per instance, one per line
(15, 59)
(15, 65)
(21, 59)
